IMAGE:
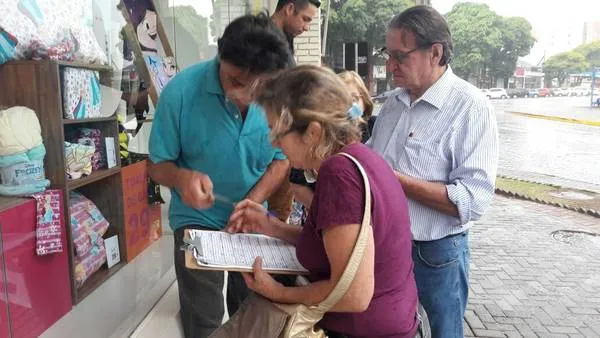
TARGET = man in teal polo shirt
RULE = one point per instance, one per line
(209, 138)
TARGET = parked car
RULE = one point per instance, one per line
(486, 92)
(532, 92)
(585, 91)
(517, 92)
(497, 93)
(579, 91)
(558, 92)
(543, 92)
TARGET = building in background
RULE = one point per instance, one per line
(307, 45)
(591, 31)
(526, 75)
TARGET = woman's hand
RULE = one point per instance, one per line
(262, 283)
(250, 217)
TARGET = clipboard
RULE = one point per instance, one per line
(192, 263)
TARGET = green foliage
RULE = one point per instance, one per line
(195, 24)
(561, 65)
(486, 42)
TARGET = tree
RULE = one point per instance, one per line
(560, 66)
(476, 36)
(486, 45)
(195, 24)
(362, 20)
(591, 52)
(517, 41)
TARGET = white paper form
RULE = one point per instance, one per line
(225, 251)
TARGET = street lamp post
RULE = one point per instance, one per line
(594, 76)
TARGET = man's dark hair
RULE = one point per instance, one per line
(428, 26)
(255, 44)
(300, 4)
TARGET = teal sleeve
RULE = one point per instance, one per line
(279, 155)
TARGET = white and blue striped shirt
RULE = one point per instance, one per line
(450, 136)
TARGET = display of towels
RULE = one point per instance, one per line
(21, 153)
(81, 93)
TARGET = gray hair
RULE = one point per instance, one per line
(428, 27)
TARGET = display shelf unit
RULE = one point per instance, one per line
(37, 85)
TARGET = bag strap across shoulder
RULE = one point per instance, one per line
(349, 273)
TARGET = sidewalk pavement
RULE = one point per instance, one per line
(527, 282)
(550, 180)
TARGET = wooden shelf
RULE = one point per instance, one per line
(92, 120)
(95, 67)
(96, 280)
(37, 85)
(94, 177)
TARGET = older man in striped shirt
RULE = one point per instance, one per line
(439, 133)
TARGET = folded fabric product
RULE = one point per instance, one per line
(78, 159)
(23, 174)
(20, 130)
(89, 263)
(81, 93)
(8, 46)
(93, 137)
(88, 225)
(49, 29)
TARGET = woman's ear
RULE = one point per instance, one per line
(313, 133)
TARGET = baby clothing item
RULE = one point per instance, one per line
(81, 93)
(48, 229)
(78, 159)
(88, 225)
(93, 137)
(20, 130)
(21, 153)
(89, 263)
(49, 29)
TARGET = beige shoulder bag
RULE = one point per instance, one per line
(258, 317)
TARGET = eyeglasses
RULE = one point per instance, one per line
(400, 57)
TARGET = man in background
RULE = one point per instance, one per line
(293, 17)
(439, 133)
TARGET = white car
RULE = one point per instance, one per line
(497, 93)
(579, 91)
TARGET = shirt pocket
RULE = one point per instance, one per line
(426, 160)
(259, 150)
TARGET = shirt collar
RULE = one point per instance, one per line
(213, 81)
(436, 94)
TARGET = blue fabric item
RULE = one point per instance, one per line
(354, 112)
(34, 154)
(37, 153)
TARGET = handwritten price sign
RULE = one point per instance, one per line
(142, 221)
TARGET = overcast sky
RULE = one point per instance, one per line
(557, 28)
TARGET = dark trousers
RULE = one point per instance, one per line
(201, 294)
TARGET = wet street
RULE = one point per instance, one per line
(567, 107)
(565, 150)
